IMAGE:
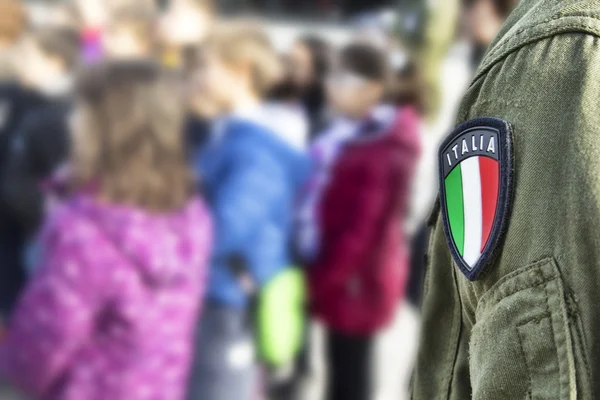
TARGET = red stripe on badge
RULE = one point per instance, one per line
(490, 176)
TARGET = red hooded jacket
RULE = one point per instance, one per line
(361, 268)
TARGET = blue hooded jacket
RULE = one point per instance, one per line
(250, 179)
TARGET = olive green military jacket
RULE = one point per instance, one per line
(529, 327)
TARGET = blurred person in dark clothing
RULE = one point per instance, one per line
(33, 142)
(407, 89)
(484, 20)
(40, 143)
(355, 7)
(285, 108)
(310, 59)
(351, 234)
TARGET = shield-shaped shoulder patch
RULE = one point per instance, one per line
(476, 167)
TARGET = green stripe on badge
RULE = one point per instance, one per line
(454, 202)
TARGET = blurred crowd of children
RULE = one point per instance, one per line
(176, 196)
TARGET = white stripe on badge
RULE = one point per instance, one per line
(471, 183)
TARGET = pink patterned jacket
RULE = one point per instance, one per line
(111, 312)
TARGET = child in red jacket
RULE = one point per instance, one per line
(351, 219)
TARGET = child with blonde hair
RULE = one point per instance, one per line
(111, 311)
(251, 175)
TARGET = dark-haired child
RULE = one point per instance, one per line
(351, 221)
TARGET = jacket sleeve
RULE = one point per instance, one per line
(342, 255)
(53, 318)
(532, 317)
(242, 202)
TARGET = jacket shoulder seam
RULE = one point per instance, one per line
(537, 32)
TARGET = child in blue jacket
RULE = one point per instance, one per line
(250, 175)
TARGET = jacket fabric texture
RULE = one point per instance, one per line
(250, 178)
(359, 272)
(528, 327)
(112, 310)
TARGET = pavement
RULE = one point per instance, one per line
(395, 354)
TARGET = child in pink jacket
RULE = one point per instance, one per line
(111, 311)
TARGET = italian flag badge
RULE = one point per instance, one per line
(475, 164)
